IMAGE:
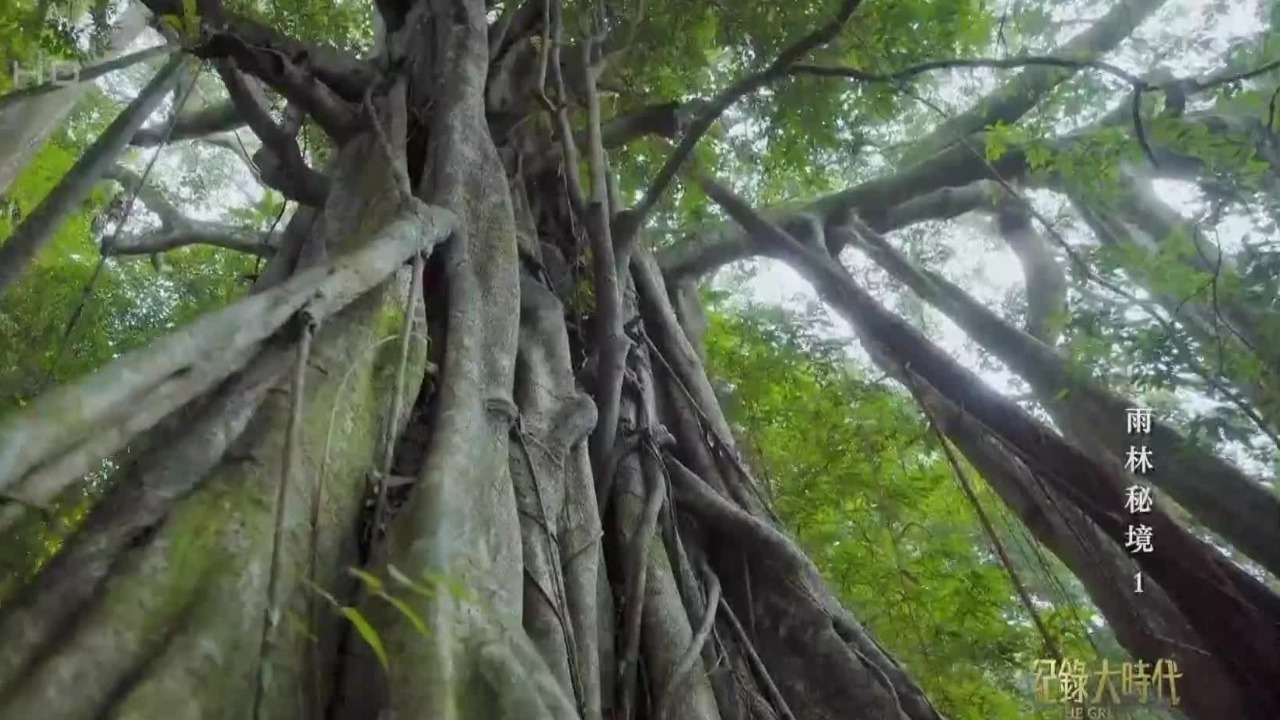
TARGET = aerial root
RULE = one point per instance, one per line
(680, 674)
(273, 609)
(762, 676)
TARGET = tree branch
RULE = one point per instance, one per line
(913, 71)
(83, 75)
(1017, 97)
(177, 230)
(188, 232)
(690, 260)
(261, 47)
(150, 196)
(290, 173)
(194, 125)
(39, 227)
(740, 89)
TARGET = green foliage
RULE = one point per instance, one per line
(862, 485)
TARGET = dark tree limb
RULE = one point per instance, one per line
(262, 49)
(38, 228)
(292, 176)
(292, 79)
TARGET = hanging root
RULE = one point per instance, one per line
(680, 674)
(288, 472)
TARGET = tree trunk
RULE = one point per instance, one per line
(494, 553)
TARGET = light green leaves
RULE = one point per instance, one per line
(186, 25)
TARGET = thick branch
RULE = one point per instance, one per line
(63, 417)
(292, 76)
(195, 232)
(931, 189)
(222, 117)
(1017, 97)
(1045, 283)
(262, 49)
(150, 196)
(295, 179)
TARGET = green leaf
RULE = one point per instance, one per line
(368, 634)
(407, 612)
(370, 581)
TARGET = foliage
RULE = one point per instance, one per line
(862, 484)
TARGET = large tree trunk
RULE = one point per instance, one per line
(494, 551)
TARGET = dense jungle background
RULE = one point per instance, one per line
(639, 359)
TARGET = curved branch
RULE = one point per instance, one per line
(193, 232)
(262, 49)
(289, 173)
(150, 196)
(1045, 283)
